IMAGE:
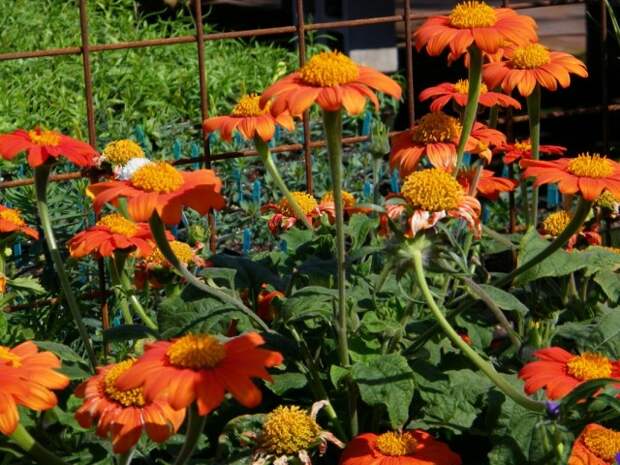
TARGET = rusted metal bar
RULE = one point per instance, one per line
(301, 48)
(88, 78)
(95, 48)
(409, 62)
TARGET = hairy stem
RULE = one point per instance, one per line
(473, 94)
(115, 270)
(195, 426)
(263, 150)
(504, 385)
(533, 112)
(22, 438)
(41, 177)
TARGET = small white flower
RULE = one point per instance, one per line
(126, 172)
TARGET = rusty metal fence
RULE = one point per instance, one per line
(299, 31)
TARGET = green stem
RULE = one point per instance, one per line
(159, 234)
(580, 215)
(115, 270)
(22, 438)
(533, 112)
(127, 288)
(263, 150)
(525, 202)
(504, 385)
(125, 459)
(493, 116)
(376, 170)
(195, 426)
(41, 177)
(473, 95)
(333, 127)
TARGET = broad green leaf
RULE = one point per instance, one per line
(27, 284)
(359, 227)
(388, 381)
(610, 284)
(503, 299)
(337, 374)
(602, 334)
(309, 302)
(285, 382)
(127, 333)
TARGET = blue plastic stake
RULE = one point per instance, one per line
(466, 159)
(485, 214)
(505, 171)
(256, 192)
(395, 182)
(283, 246)
(247, 240)
(553, 196)
(366, 123)
(237, 139)
(140, 135)
(368, 189)
(176, 149)
(195, 153)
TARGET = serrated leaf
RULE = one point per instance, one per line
(602, 334)
(285, 382)
(503, 299)
(359, 227)
(610, 284)
(386, 380)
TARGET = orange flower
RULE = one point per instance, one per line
(596, 445)
(42, 144)
(486, 138)
(349, 205)
(523, 150)
(11, 221)
(183, 252)
(474, 22)
(555, 223)
(26, 378)
(410, 447)
(124, 414)
(443, 93)
(559, 371)
(158, 186)
(284, 217)
(434, 194)
(532, 64)
(333, 81)
(112, 232)
(264, 303)
(489, 186)
(587, 174)
(199, 367)
(250, 119)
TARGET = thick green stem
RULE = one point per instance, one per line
(504, 385)
(333, 132)
(159, 234)
(121, 297)
(125, 459)
(263, 150)
(41, 177)
(533, 112)
(473, 95)
(580, 215)
(195, 426)
(22, 438)
(493, 116)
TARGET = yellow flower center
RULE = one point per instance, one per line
(327, 69)
(49, 138)
(607, 200)
(159, 177)
(196, 351)
(288, 430)
(436, 127)
(530, 56)
(523, 146)
(603, 442)
(306, 202)
(9, 358)
(396, 444)
(11, 215)
(130, 397)
(466, 15)
(183, 252)
(556, 222)
(462, 87)
(589, 366)
(347, 198)
(121, 151)
(591, 166)
(118, 224)
(432, 190)
(248, 106)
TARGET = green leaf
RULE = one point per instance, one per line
(309, 302)
(127, 333)
(27, 283)
(601, 334)
(386, 380)
(503, 299)
(337, 374)
(285, 382)
(359, 227)
(73, 366)
(610, 284)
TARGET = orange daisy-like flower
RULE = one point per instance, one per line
(27, 377)
(198, 367)
(160, 187)
(487, 139)
(265, 307)
(555, 223)
(532, 64)
(443, 93)
(596, 445)
(489, 185)
(523, 150)
(410, 447)
(559, 371)
(124, 414)
(349, 205)
(433, 194)
(112, 232)
(42, 144)
(586, 174)
(474, 22)
(284, 217)
(250, 119)
(11, 221)
(333, 81)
